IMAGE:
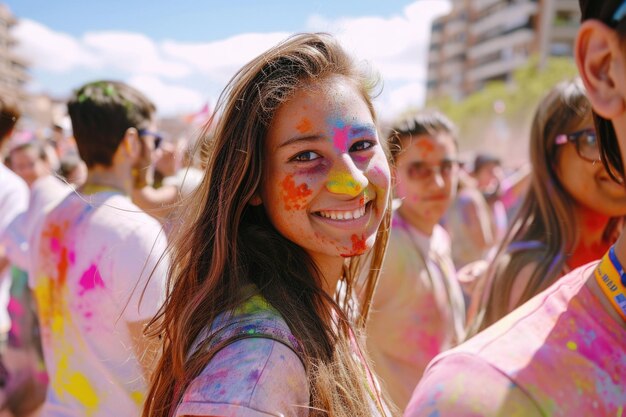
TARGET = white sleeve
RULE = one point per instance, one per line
(140, 270)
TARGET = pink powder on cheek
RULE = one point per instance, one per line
(294, 196)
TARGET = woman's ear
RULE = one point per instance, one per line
(601, 64)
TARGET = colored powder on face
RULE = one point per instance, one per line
(90, 280)
(571, 345)
(358, 244)
(294, 196)
(343, 183)
(304, 125)
(426, 147)
(340, 138)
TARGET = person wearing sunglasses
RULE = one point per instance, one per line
(418, 308)
(570, 216)
(562, 353)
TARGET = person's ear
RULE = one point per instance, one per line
(601, 64)
(131, 143)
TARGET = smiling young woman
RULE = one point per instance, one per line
(296, 192)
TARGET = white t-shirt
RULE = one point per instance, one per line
(45, 193)
(13, 201)
(90, 268)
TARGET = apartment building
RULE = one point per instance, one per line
(13, 69)
(486, 40)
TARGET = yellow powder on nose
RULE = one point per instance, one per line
(344, 183)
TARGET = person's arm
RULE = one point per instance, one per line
(145, 349)
(157, 202)
(463, 385)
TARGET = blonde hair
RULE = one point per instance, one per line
(226, 242)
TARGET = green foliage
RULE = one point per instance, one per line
(512, 102)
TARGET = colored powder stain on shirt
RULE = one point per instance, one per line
(343, 183)
(138, 397)
(293, 195)
(304, 125)
(571, 345)
(90, 280)
(76, 385)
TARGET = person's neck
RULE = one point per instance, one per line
(590, 245)
(330, 269)
(108, 178)
(594, 287)
(416, 221)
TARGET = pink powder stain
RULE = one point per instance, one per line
(340, 138)
(15, 308)
(90, 280)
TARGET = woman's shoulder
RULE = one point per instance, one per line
(257, 368)
(249, 377)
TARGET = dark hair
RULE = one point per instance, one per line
(427, 122)
(101, 112)
(9, 115)
(607, 139)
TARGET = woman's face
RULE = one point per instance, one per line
(26, 163)
(326, 181)
(588, 182)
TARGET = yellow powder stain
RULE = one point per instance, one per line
(76, 385)
(572, 345)
(137, 397)
(620, 410)
(343, 183)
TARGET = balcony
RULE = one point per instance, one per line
(479, 5)
(496, 68)
(564, 33)
(451, 50)
(522, 36)
(515, 15)
(567, 6)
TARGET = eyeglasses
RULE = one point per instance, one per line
(156, 135)
(586, 143)
(422, 171)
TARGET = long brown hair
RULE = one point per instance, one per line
(226, 242)
(544, 230)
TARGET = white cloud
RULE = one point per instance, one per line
(221, 59)
(399, 99)
(133, 53)
(49, 50)
(170, 99)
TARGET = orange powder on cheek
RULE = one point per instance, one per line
(294, 196)
(304, 125)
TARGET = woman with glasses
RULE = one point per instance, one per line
(418, 309)
(570, 216)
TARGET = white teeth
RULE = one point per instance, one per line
(343, 215)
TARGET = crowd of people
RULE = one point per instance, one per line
(296, 260)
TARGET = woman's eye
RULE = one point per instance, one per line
(361, 145)
(306, 156)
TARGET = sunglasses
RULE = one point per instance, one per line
(422, 171)
(156, 135)
(586, 142)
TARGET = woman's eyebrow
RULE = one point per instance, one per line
(299, 139)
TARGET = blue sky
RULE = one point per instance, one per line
(181, 53)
